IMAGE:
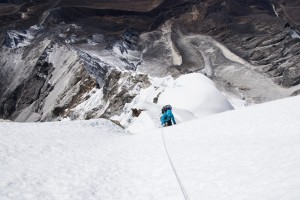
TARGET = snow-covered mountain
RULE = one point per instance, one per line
(94, 76)
(55, 55)
(251, 153)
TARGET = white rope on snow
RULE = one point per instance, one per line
(174, 170)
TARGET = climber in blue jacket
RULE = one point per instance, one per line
(167, 116)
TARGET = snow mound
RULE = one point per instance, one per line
(197, 94)
(192, 96)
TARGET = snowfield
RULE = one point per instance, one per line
(252, 154)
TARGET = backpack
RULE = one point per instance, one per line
(166, 107)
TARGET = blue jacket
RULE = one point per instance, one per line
(167, 116)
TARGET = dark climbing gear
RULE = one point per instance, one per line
(166, 107)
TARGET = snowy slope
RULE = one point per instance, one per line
(251, 153)
(82, 160)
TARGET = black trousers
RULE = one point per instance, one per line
(169, 123)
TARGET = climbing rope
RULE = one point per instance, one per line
(174, 170)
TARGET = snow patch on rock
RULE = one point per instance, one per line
(275, 11)
(294, 34)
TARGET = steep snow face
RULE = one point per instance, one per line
(17, 64)
(66, 81)
(191, 96)
(251, 153)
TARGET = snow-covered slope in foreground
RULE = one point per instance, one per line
(252, 154)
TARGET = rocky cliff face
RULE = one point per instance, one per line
(57, 55)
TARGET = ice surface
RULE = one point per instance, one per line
(251, 153)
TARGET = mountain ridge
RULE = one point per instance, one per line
(174, 38)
